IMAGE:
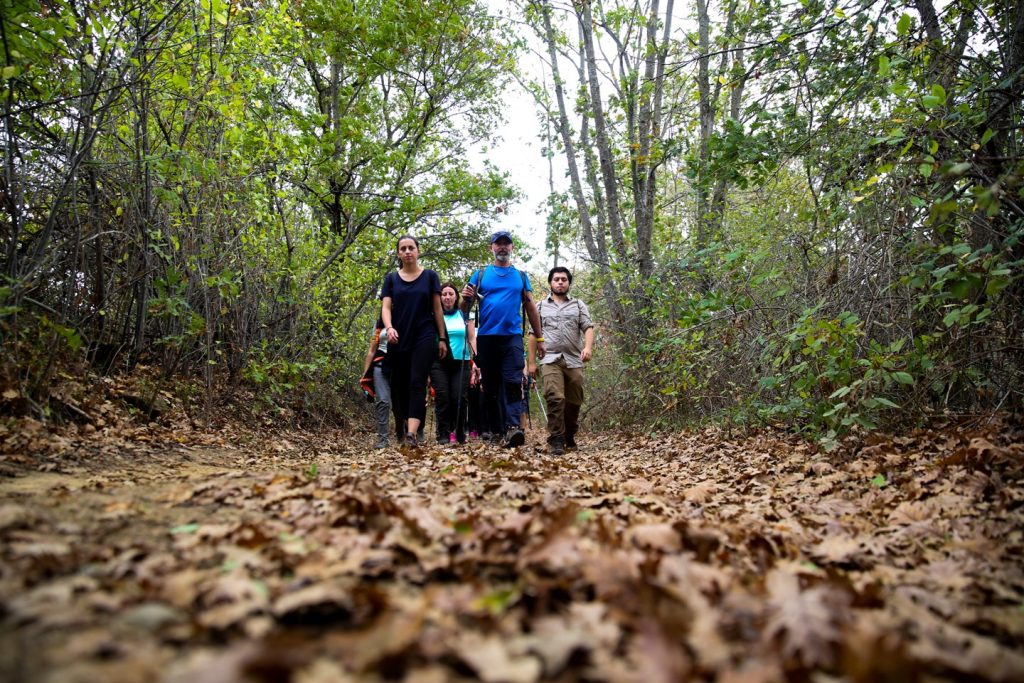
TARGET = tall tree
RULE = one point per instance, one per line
(620, 241)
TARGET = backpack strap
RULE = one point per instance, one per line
(522, 304)
(480, 281)
(480, 294)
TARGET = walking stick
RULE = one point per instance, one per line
(540, 401)
(458, 402)
(526, 397)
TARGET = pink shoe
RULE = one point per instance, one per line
(451, 438)
(474, 435)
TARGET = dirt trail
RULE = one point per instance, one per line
(312, 558)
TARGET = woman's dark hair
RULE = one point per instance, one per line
(407, 237)
(559, 269)
(451, 285)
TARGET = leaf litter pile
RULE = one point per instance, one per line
(311, 558)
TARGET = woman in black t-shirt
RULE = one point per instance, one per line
(414, 322)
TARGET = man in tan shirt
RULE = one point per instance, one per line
(568, 335)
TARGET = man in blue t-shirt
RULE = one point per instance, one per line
(503, 290)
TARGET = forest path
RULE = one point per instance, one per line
(662, 558)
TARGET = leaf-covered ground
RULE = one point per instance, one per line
(135, 553)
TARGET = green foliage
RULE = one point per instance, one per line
(215, 187)
(845, 253)
(279, 380)
(826, 378)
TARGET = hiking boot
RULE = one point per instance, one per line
(570, 442)
(410, 444)
(514, 438)
(382, 442)
(556, 445)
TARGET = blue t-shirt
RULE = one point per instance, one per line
(501, 297)
(412, 308)
(456, 326)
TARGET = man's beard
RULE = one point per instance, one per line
(502, 257)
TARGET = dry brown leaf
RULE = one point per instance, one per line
(326, 601)
(701, 493)
(658, 657)
(637, 486)
(555, 640)
(13, 516)
(591, 577)
(754, 671)
(661, 537)
(493, 663)
(910, 512)
(512, 489)
(836, 549)
(947, 645)
(805, 624)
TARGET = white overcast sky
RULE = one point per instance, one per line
(519, 148)
(519, 151)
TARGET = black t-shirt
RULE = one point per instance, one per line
(412, 308)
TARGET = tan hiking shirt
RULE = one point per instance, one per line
(563, 325)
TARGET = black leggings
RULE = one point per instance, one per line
(409, 381)
(450, 379)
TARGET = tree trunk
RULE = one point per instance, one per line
(649, 125)
(710, 194)
(706, 113)
(604, 147)
(144, 181)
(596, 246)
(565, 133)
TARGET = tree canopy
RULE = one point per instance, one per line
(801, 213)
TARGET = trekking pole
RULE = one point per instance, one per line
(526, 397)
(540, 402)
(458, 402)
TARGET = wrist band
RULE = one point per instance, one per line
(540, 339)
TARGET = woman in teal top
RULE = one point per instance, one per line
(450, 375)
